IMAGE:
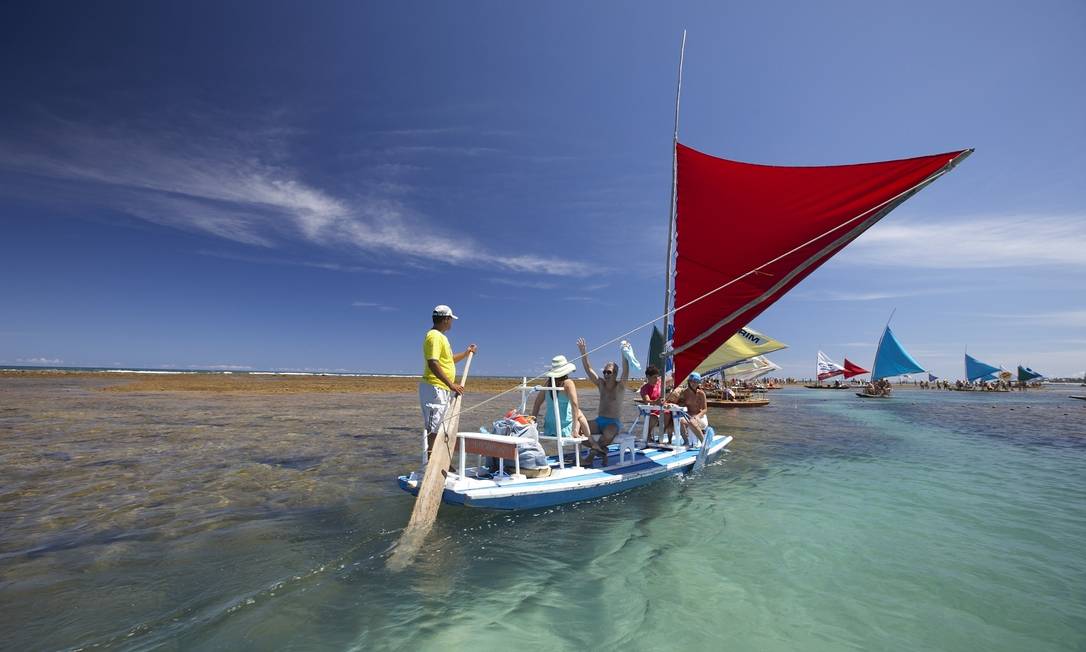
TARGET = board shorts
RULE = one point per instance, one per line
(603, 422)
(434, 401)
(702, 421)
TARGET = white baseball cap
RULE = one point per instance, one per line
(444, 311)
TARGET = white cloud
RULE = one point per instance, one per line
(534, 285)
(835, 295)
(34, 361)
(976, 242)
(1067, 318)
(371, 304)
(237, 187)
(262, 260)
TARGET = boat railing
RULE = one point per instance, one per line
(560, 440)
(644, 410)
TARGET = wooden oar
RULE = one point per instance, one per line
(432, 486)
(703, 452)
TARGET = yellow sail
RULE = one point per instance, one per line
(744, 345)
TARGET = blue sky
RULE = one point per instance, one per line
(295, 185)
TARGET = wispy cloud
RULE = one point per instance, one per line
(975, 242)
(524, 283)
(240, 188)
(1066, 318)
(43, 360)
(837, 295)
(316, 264)
(371, 304)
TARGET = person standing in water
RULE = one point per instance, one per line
(439, 372)
(611, 387)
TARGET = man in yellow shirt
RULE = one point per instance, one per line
(439, 373)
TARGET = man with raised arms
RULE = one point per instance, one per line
(612, 388)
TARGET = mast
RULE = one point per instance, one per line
(668, 270)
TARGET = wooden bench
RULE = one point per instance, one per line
(502, 447)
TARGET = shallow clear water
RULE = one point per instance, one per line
(937, 520)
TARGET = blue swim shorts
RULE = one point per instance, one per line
(603, 422)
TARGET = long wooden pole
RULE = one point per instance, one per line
(671, 216)
(432, 486)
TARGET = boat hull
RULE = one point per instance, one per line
(571, 484)
(862, 395)
(754, 402)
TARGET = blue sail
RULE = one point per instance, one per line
(892, 359)
(977, 370)
(1026, 374)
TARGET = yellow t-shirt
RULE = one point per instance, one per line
(436, 347)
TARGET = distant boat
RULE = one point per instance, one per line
(825, 368)
(746, 371)
(737, 402)
(982, 372)
(1025, 374)
(891, 359)
(976, 370)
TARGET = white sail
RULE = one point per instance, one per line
(828, 368)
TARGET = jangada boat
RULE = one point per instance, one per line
(891, 359)
(825, 368)
(815, 212)
(747, 371)
(738, 402)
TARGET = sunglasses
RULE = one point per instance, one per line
(608, 372)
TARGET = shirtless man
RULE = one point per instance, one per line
(609, 421)
(693, 399)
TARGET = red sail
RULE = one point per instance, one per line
(853, 369)
(746, 234)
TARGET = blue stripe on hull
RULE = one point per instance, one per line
(550, 499)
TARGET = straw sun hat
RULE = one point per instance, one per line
(560, 367)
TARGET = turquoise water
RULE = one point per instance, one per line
(937, 520)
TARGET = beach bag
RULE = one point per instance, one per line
(529, 450)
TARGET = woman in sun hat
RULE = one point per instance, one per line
(568, 406)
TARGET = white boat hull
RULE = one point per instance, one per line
(571, 484)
